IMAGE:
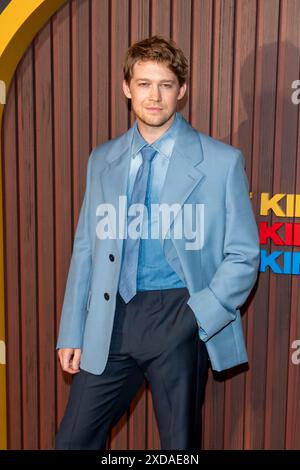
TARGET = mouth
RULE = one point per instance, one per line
(154, 109)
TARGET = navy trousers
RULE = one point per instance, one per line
(155, 336)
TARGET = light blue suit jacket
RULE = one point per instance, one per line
(219, 277)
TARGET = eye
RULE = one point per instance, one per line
(143, 84)
(167, 85)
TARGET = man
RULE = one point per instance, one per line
(143, 301)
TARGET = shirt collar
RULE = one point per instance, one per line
(164, 144)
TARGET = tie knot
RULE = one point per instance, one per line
(148, 153)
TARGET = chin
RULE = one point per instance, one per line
(155, 121)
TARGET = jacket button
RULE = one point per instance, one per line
(106, 296)
(111, 257)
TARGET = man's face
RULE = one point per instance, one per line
(154, 91)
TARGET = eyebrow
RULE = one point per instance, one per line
(148, 80)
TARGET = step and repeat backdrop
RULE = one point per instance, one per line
(60, 93)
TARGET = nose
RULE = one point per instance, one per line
(155, 94)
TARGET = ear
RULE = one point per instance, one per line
(126, 89)
(182, 91)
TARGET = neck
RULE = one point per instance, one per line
(152, 133)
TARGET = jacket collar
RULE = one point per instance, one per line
(187, 141)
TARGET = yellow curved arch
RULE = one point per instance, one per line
(20, 21)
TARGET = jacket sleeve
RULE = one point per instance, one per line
(216, 305)
(75, 300)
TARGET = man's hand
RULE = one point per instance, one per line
(69, 359)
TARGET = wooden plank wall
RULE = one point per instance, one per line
(66, 97)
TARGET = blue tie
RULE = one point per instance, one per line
(128, 274)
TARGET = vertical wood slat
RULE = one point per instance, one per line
(119, 42)
(45, 235)
(68, 99)
(62, 116)
(12, 270)
(160, 20)
(28, 252)
(100, 59)
(81, 130)
(200, 65)
(139, 20)
(182, 14)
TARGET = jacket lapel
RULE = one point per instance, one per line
(184, 172)
(114, 179)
